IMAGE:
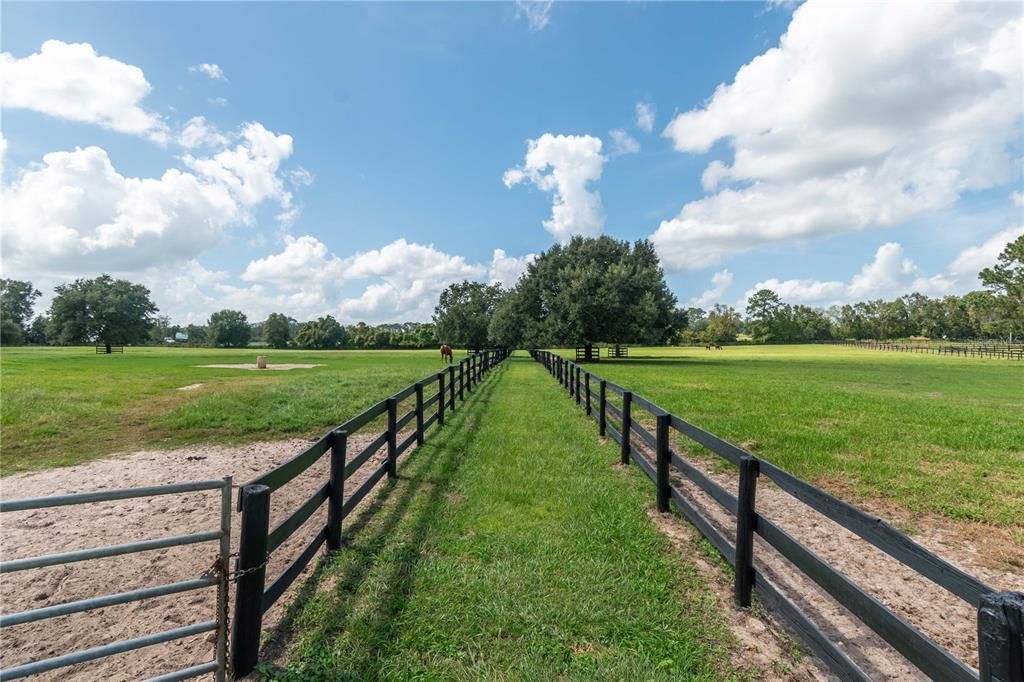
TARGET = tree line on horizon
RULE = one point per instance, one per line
(106, 310)
(601, 290)
(589, 291)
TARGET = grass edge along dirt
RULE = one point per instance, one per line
(511, 547)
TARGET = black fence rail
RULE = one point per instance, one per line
(967, 350)
(1001, 615)
(434, 395)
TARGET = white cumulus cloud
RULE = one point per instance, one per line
(506, 270)
(565, 165)
(198, 133)
(720, 283)
(211, 71)
(71, 81)
(891, 274)
(863, 116)
(75, 214)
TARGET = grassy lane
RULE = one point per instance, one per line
(62, 406)
(509, 549)
(926, 433)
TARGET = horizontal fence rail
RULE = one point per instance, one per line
(1000, 643)
(219, 580)
(437, 393)
(962, 349)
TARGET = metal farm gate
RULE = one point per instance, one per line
(208, 576)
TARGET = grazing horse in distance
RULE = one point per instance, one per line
(446, 353)
(718, 347)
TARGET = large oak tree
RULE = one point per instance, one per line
(105, 310)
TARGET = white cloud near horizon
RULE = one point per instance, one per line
(73, 82)
(565, 165)
(863, 116)
(891, 274)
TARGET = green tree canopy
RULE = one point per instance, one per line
(16, 301)
(324, 333)
(463, 313)
(592, 290)
(1006, 280)
(228, 328)
(723, 323)
(277, 330)
(101, 309)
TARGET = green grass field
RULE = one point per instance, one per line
(63, 406)
(924, 433)
(509, 548)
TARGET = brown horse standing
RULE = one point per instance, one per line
(446, 353)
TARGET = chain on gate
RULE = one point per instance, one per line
(219, 570)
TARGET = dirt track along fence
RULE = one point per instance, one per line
(258, 540)
(1000, 614)
(959, 349)
(213, 574)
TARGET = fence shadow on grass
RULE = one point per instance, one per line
(429, 468)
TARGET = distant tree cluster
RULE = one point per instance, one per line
(108, 311)
(997, 313)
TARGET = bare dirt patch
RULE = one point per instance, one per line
(251, 366)
(190, 387)
(763, 642)
(47, 531)
(940, 615)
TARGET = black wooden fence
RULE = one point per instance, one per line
(1001, 615)
(966, 350)
(258, 540)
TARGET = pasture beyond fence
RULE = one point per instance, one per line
(1000, 614)
(257, 540)
(961, 349)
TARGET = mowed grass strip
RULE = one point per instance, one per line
(925, 433)
(63, 406)
(511, 548)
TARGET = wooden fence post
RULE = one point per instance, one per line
(392, 438)
(451, 388)
(339, 443)
(746, 524)
(602, 403)
(462, 379)
(1001, 637)
(440, 398)
(579, 370)
(419, 413)
(627, 424)
(586, 390)
(662, 460)
(252, 557)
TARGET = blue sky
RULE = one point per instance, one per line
(851, 169)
